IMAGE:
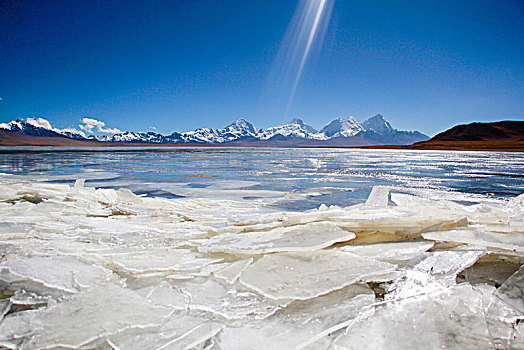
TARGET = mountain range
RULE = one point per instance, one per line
(340, 132)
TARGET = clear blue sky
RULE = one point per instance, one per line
(179, 65)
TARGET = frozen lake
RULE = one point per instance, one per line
(215, 248)
(309, 177)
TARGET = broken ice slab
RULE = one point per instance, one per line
(307, 275)
(374, 225)
(29, 299)
(181, 231)
(12, 231)
(9, 192)
(113, 225)
(307, 237)
(243, 228)
(182, 332)
(228, 302)
(265, 222)
(517, 343)
(501, 318)
(302, 323)
(232, 272)
(449, 263)
(391, 252)
(172, 260)
(378, 198)
(513, 242)
(18, 191)
(436, 272)
(93, 315)
(126, 196)
(270, 336)
(106, 196)
(516, 205)
(60, 273)
(206, 271)
(430, 206)
(512, 291)
(166, 295)
(15, 328)
(447, 319)
(5, 305)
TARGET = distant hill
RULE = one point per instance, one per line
(504, 130)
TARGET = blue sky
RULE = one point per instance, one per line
(178, 65)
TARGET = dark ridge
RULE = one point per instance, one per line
(504, 130)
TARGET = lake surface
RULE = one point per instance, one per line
(299, 178)
(234, 249)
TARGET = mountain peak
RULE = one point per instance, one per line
(240, 122)
(243, 126)
(297, 121)
(378, 124)
(342, 127)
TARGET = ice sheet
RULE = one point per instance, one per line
(308, 237)
(379, 197)
(308, 275)
(228, 302)
(61, 273)
(232, 272)
(449, 319)
(94, 314)
(182, 332)
(15, 328)
(436, 272)
(512, 291)
(158, 261)
(166, 295)
(105, 268)
(391, 252)
(513, 241)
(302, 323)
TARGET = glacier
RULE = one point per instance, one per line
(103, 268)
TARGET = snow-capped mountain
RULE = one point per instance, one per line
(239, 129)
(374, 131)
(34, 127)
(295, 129)
(378, 124)
(342, 128)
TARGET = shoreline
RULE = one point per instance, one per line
(479, 146)
(135, 147)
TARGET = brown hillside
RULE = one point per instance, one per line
(501, 131)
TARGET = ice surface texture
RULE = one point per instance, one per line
(308, 275)
(107, 269)
(308, 237)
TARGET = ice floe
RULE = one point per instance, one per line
(448, 319)
(94, 314)
(303, 276)
(308, 237)
(82, 267)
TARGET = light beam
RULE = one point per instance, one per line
(303, 37)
